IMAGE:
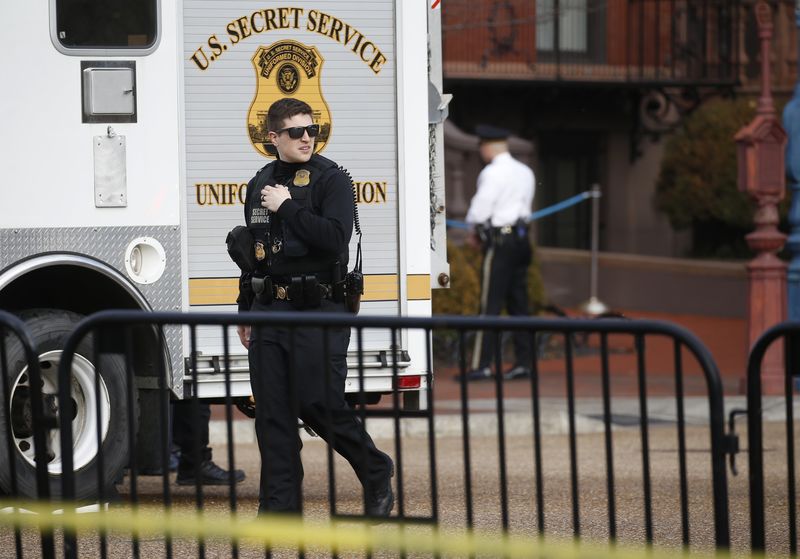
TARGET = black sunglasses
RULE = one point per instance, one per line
(296, 132)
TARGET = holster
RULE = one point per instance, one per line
(484, 233)
(262, 288)
(245, 299)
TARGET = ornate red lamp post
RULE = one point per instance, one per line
(761, 152)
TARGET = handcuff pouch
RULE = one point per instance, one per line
(262, 288)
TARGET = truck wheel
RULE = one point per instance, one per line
(50, 330)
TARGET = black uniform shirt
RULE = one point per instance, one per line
(320, 215)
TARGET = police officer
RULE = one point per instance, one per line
(499, 212)
(300, 212)
(186, 433)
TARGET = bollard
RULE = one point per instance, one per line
(594, 306)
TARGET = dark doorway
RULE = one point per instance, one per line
(568, 164)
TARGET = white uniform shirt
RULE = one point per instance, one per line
(505, 193)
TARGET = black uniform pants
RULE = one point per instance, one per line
(289, 380)
(186, 432)
(504, 282)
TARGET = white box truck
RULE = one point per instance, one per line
(129, 132)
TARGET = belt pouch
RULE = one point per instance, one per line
(295, 292)
(262, 287)
(312, 292)
(304, 292)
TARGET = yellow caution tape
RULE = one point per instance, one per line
(281, 531)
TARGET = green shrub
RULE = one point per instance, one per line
(697, 184)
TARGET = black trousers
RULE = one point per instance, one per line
(289, 380)
(504, 282)
(186, 432)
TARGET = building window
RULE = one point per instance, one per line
(568, 165)
(106, 24)
(573, 30)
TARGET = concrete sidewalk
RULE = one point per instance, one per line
(553, 413)
(725, 338)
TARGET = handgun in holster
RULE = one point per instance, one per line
(244, 301)
(484, 233)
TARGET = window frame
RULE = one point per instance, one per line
(595, 37)
(102, 51)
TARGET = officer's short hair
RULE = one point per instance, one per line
(285, 108)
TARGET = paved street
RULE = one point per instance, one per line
(521, 485)
(521, 489)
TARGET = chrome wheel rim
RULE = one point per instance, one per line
(84, 403)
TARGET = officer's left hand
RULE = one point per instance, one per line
(273, 196)
(244, 335)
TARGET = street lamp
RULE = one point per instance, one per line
(761, 146)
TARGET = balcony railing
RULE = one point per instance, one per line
(616, 41)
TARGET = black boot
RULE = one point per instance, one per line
(210, 474)
(380, 501)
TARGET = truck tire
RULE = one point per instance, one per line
(50, 330)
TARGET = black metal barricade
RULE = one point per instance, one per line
(24, 469)
(787, 333)
(441, 491)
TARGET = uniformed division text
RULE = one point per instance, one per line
(234, 193)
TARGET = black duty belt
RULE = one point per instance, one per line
(303, 292)
(517, 230)
(504, 230)
(322, 277)
(281, 292)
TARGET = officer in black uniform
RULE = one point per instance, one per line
(186, 433)
(300, 212)
(500, 212)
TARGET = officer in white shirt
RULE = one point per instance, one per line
(500, 213)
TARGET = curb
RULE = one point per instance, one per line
(518, 417)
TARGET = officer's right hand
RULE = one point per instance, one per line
(273, 196)
(244, 335)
